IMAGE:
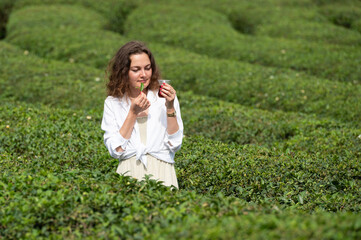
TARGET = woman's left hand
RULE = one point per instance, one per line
(169, 94)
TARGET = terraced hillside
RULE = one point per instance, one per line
(270, 93)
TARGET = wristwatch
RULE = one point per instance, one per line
(173, 114)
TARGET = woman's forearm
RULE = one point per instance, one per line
(172, 123)
(127, 128)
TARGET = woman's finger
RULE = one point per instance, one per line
(168, 90)
(147, 105)
(144, 103)
(142, 98)
(169, 94)
(168, 87)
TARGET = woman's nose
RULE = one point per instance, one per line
(142, 72)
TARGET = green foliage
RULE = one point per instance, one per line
(119, 14)
(195, 29)
(104, 7)
(233, 81)
(5, 9)
(73, 193)
(285, 19)
(357, 25)
(301, 181)
(232, 123)
(266, 88)
(90, 204)
(71, 36)
(339, 14)
(268, 153)
(28, 78)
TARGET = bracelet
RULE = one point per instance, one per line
(173, 114)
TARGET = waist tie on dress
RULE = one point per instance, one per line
(141, 154)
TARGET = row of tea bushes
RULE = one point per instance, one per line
(323, 24)
(233, 123)
(256, 174)
(70, 34)
(288, 19)
(104, 7)
(310, 31)
(247, 84)
(37, 138)
(265, 88)
(5, 9)
(115, 11)
(88, 205)
(195, 29)
(28, 78)
(79, 87)
(295, 20)
(348, 16)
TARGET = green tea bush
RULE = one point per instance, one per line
(243, 15)
(5, 9)
(321, 3)
(310, 31)
(256, 174)
(73, 35)
(88, 204)
(357, 25)
(29, 78)
(80, 18)
(58, 181)
(116, 11)
(232, 123)
(41, 140)
(103, 7)
(267, 88)
(284, 19)
(339, 14)
(195, 29)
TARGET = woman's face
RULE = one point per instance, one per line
(140, 70)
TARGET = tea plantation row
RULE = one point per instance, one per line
(53, 195)
(326, 22)
(310, 20)
(194, 29)
(70, 36)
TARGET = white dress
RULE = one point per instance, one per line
(158, 169)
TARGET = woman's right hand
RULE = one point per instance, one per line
(139, 104)
(137, 108)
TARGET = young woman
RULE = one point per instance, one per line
(142, 129)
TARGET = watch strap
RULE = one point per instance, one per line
(173, 114)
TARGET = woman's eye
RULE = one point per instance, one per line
(146, 69)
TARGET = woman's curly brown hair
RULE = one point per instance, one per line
(119, 65)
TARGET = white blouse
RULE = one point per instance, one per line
(159, 143)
